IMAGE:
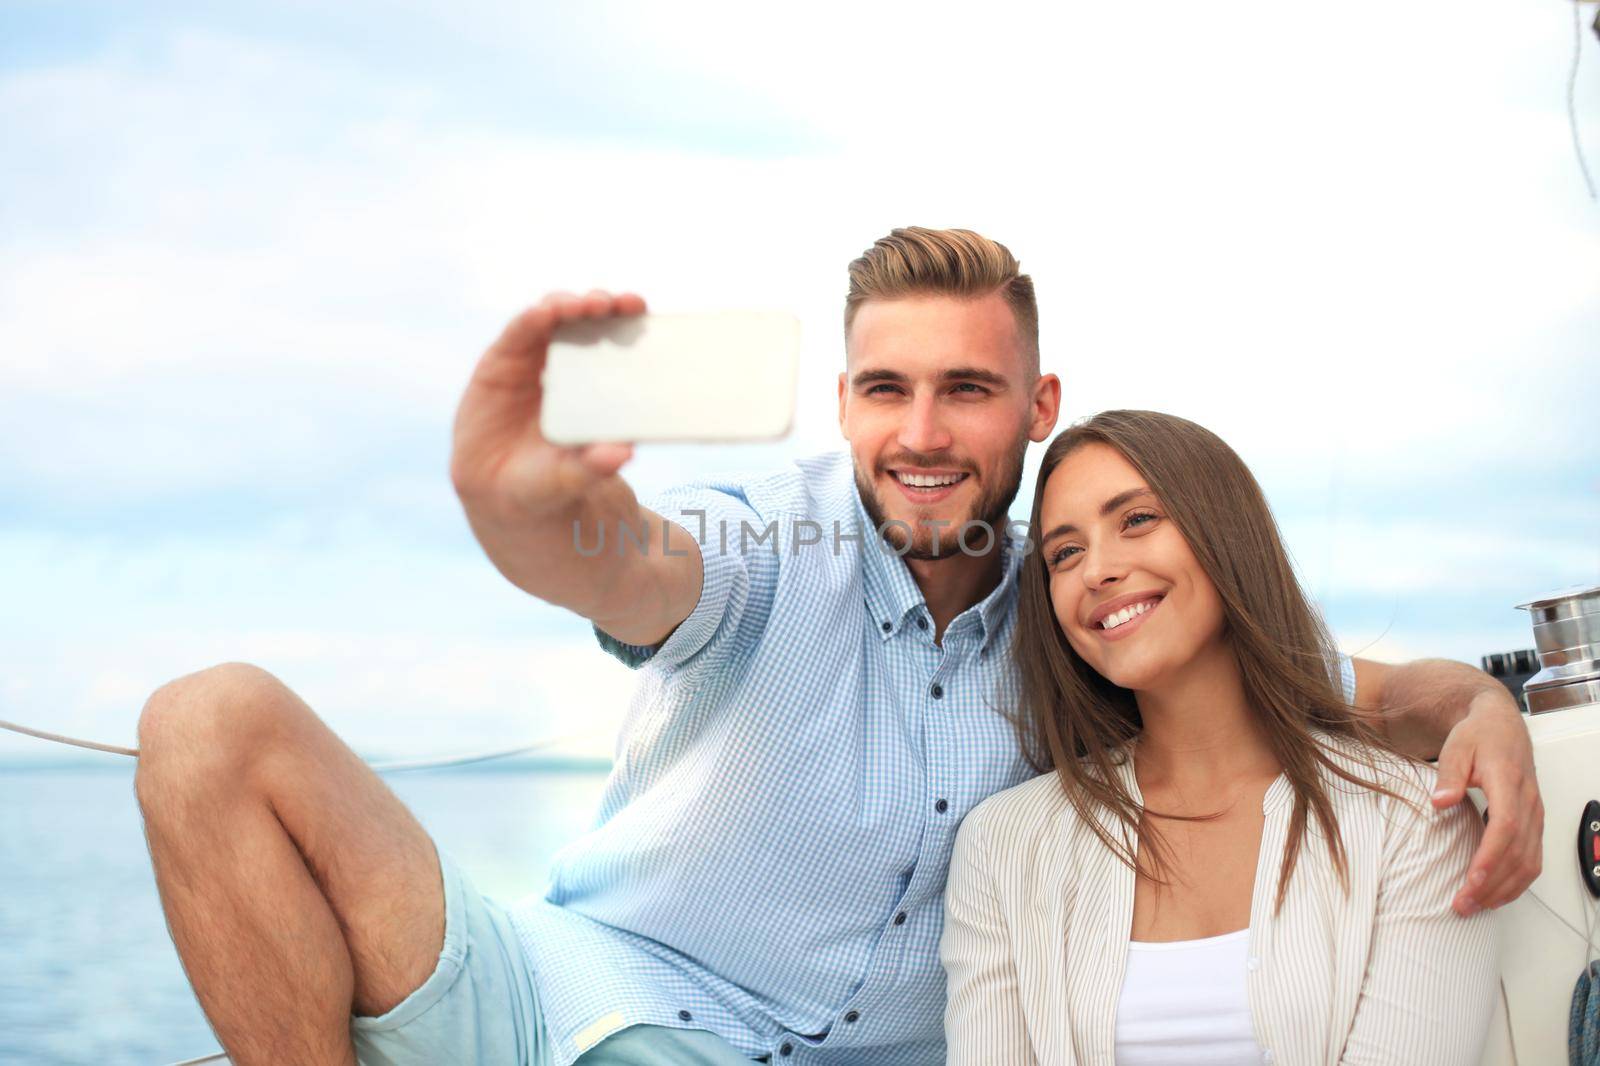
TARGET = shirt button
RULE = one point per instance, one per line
(852, 1016)
(1254, 962)
(942, 806)
(684, 1015)
(888, 626)
(786, 1050)
(922, 623)
(900, 919)
(937, 691)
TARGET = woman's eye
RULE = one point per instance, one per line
(1142, 518)
(1062, 553)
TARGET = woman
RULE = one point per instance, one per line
(1229, 865)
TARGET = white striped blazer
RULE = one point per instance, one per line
(1038, 913)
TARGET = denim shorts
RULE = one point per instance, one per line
(479, 1007)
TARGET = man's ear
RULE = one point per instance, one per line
(843, 377)
(1046, 407)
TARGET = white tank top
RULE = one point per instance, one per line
(1184, 1002)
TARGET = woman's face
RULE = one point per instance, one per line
(1127, 592)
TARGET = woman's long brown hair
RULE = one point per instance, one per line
(1079, 723)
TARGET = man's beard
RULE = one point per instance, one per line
(994, 499)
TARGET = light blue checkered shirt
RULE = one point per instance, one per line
(773, 842)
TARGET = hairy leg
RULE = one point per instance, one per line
(297, 887)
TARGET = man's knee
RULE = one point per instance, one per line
(201, 728)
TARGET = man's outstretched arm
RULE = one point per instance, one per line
(1436, 708)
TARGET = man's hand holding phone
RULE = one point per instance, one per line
(503, 468)
(548, 418)
(526, 498)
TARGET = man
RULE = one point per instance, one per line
(826, 691)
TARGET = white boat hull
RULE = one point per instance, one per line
(1541, 953)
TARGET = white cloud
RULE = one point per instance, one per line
(1352, 242)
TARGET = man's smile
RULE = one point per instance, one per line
(927, 486)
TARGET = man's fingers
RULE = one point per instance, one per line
(603, 460)
(1455, 767)
(1486, 870)
(524, 341)
(526, 338)
(499, 452)
(1509, 856)
(596, 303)
(577, 467)
(1524, 858)
(531, 327)
(1491, 751)
(1498, 886)
(603, 302)
(1519, 869)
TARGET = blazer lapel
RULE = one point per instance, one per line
(1095, 953)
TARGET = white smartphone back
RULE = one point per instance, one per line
(719, 376)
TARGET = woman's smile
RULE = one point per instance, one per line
(1120, 618)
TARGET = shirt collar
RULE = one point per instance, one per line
(892, 593)
(890, 589)
(1002, 599)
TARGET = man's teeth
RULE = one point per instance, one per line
(928, 481)
(1127, 614)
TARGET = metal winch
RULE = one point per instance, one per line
(1566, 633)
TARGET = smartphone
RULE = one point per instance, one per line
(718, 376)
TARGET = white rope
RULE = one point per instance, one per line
(386, 767)
(1587, 938)
(74, 741)
(397, 765)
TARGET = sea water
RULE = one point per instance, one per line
(88, 973)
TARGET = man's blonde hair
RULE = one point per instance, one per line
(914, 261)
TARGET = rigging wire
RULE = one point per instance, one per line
(384, 766)
(1572, 100)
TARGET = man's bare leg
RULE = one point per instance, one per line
(297, 887)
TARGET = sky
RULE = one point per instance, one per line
(249, 254)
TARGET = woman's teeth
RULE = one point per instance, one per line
(928, 481)
(1127, 614)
